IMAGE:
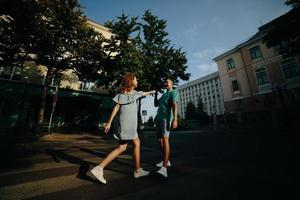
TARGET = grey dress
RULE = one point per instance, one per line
(125, 124)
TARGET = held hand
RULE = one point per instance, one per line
(174, 125)
(107, 127)
(152, 92)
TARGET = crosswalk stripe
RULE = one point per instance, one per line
(43, 186)
(67, 159)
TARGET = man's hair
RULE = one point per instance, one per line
(171, 79)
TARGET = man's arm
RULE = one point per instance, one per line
(174, 107)
(156, 101)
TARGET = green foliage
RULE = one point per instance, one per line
(199, 113)
(17, 20)
(293, 3)
(143, 48)
(284, 33)
(160, 59)
(123, 54)
(200, 106)
(56, 32)
(191, 111)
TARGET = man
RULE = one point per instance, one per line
(166, 120)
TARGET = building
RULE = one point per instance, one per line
(208, 89)
(256, 78)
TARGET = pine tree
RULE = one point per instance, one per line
(123, 53)
(200, 106)
(201, 112)
(191, 112)
(160, 59)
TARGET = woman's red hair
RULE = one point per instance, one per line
(127, 82)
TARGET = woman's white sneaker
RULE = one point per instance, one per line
(163, 171)
(98, 173)
(160, 164)
(140, 173)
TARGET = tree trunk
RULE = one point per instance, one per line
(23, 111)
(44, 97)
(12, 72)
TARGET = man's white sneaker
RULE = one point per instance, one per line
(98, 173)
(163, 171)
(140, 173)
(160, 164)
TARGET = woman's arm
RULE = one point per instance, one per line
(112, 116)
(148, 93)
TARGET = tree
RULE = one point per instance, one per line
(191, 112)
(148, 54)
(201, 112)
(57, 35)
(123, 53)
(90, 56)
(293, 3)
(160, 59)
(17, 20)
(200, 106)
(56, 32)
(284, 32)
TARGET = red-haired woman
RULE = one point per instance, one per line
(125, 129)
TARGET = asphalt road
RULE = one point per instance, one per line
(206, 164)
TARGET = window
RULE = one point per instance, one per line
(87, 85)
(255, 52)
(290, 68)
(56, 79)
(261, 76)
(13, 73)
(230, 64)
(235, 85)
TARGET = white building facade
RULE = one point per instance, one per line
(208, 89)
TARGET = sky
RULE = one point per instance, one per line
(202, 28)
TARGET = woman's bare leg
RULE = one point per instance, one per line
(136, 153)
(112, 155)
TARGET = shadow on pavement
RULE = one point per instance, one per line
(84, 166)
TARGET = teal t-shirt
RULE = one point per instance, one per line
(165, 111)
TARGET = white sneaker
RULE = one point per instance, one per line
(98, 173)
(163, 171)
(161, 164)
(140, 173)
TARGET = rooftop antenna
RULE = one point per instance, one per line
(260, 21)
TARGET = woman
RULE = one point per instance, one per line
(126, 126)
